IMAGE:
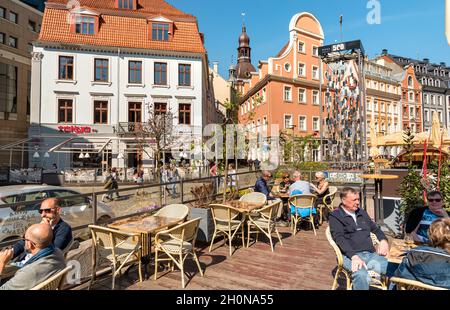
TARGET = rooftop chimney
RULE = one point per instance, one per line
(216, 67)
(384, 52)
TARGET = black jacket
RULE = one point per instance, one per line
(351, 237)
(414, 218)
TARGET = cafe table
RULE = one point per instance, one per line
(145, 226)
(398, 249)
(378, 178)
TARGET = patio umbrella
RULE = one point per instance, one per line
(435, 134)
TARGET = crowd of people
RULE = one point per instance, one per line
(39, 254)
(351, 228)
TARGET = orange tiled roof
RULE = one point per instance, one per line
(123, 28)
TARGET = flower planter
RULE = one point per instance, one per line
(206, 228)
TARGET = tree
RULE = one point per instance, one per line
(411, 187)
(157, 133)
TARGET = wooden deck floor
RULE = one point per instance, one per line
(304, 262)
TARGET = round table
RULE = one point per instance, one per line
(378, 178)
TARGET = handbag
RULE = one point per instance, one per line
(108, 184)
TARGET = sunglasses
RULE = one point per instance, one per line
(45, 210)
(435, 200)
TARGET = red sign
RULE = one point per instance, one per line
(75, 129)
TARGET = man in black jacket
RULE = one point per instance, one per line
(50, 214)
(351, 227)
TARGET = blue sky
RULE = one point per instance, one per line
(413, 28)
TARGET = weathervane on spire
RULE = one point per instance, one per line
(243, 18)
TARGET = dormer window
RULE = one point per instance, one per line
(85, 25)
(126, 4)
(160, 32)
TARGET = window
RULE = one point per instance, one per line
(265, 123)
(316, 123)
(410, 81)
(315, 72)
(302, 123)
(301, 69)
(126, 4)
(2, 38)
(84, 25)
(264, 95)
(134, 112)
(287, 93)
(65, 68)
(184, 75)
(12, 41)
(2, 12)
(437, 83)
(30, 48)
(411, 96)
(31, 25)
(100, 112)
(135, 72)
(302, 95)
(160, 32)
(8, 88)
(184, 114)
(160, 108)
(439, 100)
(301, 47)
(65, 110)
(315, 51)
(287, 121)
(287, 67)
(411, 112)
(101, 70)
(13, 17)
(440, 116)
(432, 99)
(160, 73)
(315, 97)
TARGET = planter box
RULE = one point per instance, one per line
(206, 228)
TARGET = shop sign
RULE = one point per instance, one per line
(76, 129)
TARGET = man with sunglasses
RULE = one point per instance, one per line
(50, 211)
(420, 219)
(45, 261)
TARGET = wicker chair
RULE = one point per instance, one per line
(304, 201)
(376, 279)
(264, 220)
(254, 198)
(406, 284)
(124, 249)
(177, 243)
(54, 282)
(174, 211)
(330, 197)
(227, 222)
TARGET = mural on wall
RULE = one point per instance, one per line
(343, 118)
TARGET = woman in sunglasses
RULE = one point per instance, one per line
(420, 219)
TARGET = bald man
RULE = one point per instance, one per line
(50, 211)
(45, 261)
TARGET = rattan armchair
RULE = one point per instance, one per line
(122, 249)
(227, 221)
(302, 202)
(177, 243)
(376, 279)
(328, 202)
(264, 220)
(406, 284)
(54, 282)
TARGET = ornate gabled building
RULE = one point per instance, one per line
(285, 89)
(434, 79)
(99, 68)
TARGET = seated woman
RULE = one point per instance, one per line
(285, 183)
(321, 189)
(430, 264)
(420, 219)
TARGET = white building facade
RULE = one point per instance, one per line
(92, 95)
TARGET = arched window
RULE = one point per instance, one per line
(410, 81)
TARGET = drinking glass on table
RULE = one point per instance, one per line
(409, 241)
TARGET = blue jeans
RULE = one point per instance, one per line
(361, 278)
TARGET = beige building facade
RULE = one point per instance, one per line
(19, 27)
